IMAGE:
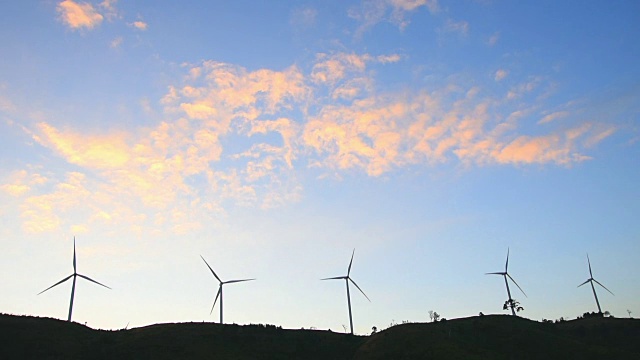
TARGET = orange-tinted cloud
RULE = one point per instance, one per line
(140, 25)
(175, 174)
(79, 15)
(90, 151)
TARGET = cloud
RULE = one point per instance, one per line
(493, 39)
(501, 74)
(402, 7)
(85, 150)
(331, 68)
(233, 137)
(41, 213)
(385, 59)
(6, 105)
(14, 189)
(353, 88)
(598, 135)
(109, 8)
(523, 88)
(372, 12)
(303, 17)
(140, 25)
(553, 116)
(175, 172)
(460, 27)
(380, 133)
(115, 43)
(79, 15)
(361, 135)
(21, 182)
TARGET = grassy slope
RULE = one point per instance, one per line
(486, 337)
(507, 337)
(43, 338)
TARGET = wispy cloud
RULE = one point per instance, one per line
(115, 43)
(79, 15)
(140, 25)
(371, 12)
(109, 9)
(500, 74)
(20, 182)
(331, 68)
(553, 116)
(178, 173)
(303, 17)
(523, 88)
(493, 39)
(461, 27)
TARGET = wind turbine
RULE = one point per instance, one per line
(506, 275)
(74, 275)
(347, 279)
(591, 280)
(219, 294)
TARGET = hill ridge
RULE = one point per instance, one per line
(478, 337)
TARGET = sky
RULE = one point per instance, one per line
(274, 138)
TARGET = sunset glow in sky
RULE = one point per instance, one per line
(272, 138)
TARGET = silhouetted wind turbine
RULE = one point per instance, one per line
(74, 275)
(347, 279)
(591, 280)
(219, 294)
(506, 275)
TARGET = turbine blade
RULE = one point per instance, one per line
(335, 278)
(214, 301)
(506, 265)
(589, 261)
(496, 273)
(236, 281)
(351, 262)
(517, 285)
(56, 284)
(598, 282)
(584, 282)
(213, 272)
(74, 254)
(354, 283)
(88, 278)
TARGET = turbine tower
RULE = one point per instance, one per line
(591, 280)
(506, 275)
(74, 275)
(347, 279)
(219, 294)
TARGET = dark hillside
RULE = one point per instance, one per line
(485, 337)
(507, 337)
(26, 337)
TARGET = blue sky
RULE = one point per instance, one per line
(274, 138)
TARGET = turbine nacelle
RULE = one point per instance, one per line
(74, 276)
(348, 279)
(508, 277)
(591, 280)
(219, 293)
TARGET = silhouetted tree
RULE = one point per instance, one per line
(512, 304)
(374, 330)
(629, 312)
(434, 316)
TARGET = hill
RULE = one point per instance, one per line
(485, 337)
(506, 337)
